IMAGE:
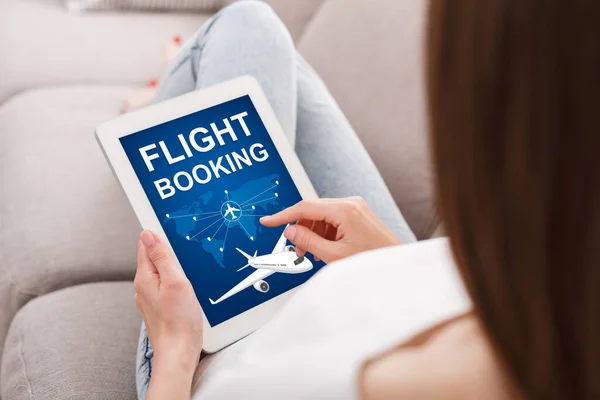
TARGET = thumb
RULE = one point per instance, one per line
(160, 255)
(306, 239)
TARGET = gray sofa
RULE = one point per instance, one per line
(68, 324)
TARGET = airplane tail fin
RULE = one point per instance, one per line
(247, 265)
(248, 256)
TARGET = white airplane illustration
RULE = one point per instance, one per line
(230, 210)
(282, 259)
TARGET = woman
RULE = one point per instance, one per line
(514, 129)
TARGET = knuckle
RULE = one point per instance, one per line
(158, 255)
(303, 205)
(308, 242)
(352, 208)
(361, 202)
(175, 285)
(305, 241)
(295, 211)
(308, 204)
(138, 301)
(138, 285)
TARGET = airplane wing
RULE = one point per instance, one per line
(248, 256)
(280, 245)
(250, 280)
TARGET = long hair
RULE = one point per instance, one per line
(514, 107)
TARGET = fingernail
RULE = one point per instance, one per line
(147, 238)
(290, 232)
(177, 39)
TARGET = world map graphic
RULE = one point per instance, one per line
(209, 220)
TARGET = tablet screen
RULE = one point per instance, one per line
(209, 177)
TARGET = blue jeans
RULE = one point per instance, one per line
(247, 38)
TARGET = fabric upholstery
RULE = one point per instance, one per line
(65, 220)
(76, 343)
(147, 5)
(296, 14)
(42, 44)
(369, 54)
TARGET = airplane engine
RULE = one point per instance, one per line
(290, 248)
(261, 286)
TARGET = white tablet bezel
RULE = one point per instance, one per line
(108, 135)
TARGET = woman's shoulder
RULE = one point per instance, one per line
(452, 360)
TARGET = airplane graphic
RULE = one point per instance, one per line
(230, 210)
(282, 259)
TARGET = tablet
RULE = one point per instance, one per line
(200, 170)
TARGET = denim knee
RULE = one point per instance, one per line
(253, 8)
(254, 16)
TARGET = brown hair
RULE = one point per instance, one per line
(514, 90)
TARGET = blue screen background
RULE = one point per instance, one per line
(211, 272)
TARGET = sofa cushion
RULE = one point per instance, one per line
(76, 343)
(65, 219)
(42, 44)
(207, 6)
(296, 14)
(370, 56)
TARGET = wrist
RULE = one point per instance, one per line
(178, 359)
(172, 375)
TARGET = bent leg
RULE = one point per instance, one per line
(245, 38)
(334, 157)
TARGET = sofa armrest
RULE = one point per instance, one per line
(65, 220)
(76, 343)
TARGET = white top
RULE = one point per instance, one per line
(349, 312)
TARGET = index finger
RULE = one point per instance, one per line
(316, 210)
